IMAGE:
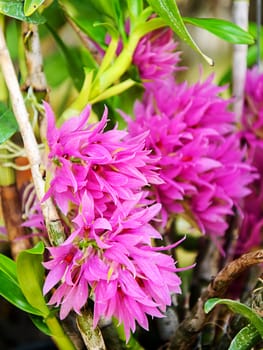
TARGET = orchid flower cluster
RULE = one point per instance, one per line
(192, 132)
(102, 178)
(117, 190)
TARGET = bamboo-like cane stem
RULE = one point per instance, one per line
(52, 220)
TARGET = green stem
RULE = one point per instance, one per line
(119, 67)
(7, 175)
(124, 60)
(58, 335)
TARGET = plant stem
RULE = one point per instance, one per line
(240, 17)
(49, 211)
(58, 335)
(91, 337)
(187, 332)
(36, 78)
(7, 175)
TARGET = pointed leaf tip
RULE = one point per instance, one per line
(168, 10)
(31, 6)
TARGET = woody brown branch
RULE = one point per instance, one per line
(187, 332)
(12, 215)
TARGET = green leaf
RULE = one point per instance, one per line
(106, 7)
(15, 9)
(72, 57)
(11, 291)
(169, 11)
(240, 308)
(110, 12)
(245, 339)
(135, 7)
(13, 35)
(55, 69)
(86, 16)
(251, 54)
(225, 30)
(30, 274)
(40, 323)
(8, 266)
(253, 50)
(8, 123)
(30, 6)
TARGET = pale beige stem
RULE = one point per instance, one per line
(30, 143)
(240, 17)
(36, 78)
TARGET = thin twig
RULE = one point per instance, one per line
(52, 220)
(186, 334)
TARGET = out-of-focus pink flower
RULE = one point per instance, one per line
(155, 55)
(252, 119)
(251, 231)
(192, 132)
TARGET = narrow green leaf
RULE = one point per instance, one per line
(240, 308)
(30, 274)
(30, 6)
(169, 11)
(135, 7)
(245, 339)
(225, 30)
(110, 12)
(104, 7)
(86, 16)
(12, 293)
(8, 123)
(251, 54)
(72, 57)
(8, 266)
(15, 9)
